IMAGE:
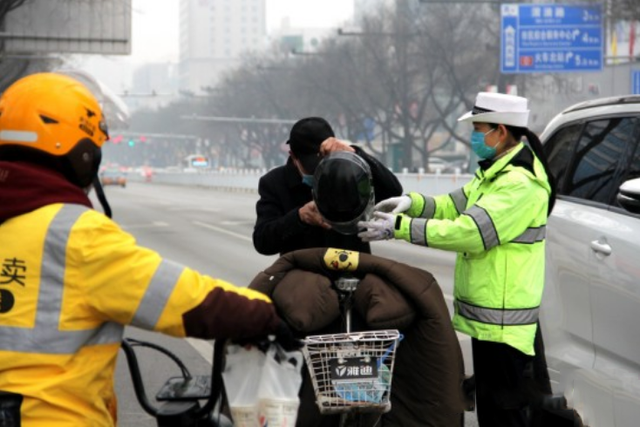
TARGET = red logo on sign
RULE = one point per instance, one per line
(526, 61)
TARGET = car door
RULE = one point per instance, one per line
(615, 296)
(595, 267)
(566, 308)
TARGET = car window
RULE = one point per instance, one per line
(559, 150)
(633, 170)
(593, 169)
(601, 158)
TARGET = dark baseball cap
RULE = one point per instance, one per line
(305, 138)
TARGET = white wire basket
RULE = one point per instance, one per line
(352, 371)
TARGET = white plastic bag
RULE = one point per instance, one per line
(279, 386)
(263, 388)
(242, 371)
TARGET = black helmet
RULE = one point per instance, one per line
(343, 190)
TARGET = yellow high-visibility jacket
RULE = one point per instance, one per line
(497, 225)
(69, 282)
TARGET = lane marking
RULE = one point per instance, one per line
(192, 209)
(236, 222)
(203, 348)
(153, 224)
(223, 230)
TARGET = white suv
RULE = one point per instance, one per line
(590, 313)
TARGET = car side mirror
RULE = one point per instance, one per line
(629, 195)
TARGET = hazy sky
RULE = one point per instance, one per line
(155, 33)
(155, 22)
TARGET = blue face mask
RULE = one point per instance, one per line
(479, 147)
(307, 180)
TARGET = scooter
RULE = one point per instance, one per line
(181, 398)
(371, 354)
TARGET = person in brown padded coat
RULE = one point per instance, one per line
(429, 368)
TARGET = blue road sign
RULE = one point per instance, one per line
(635, 82)
(551, 38)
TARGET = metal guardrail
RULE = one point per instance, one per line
(247, 180)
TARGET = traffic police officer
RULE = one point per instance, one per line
(496, 223)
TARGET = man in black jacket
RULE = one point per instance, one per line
(287, 217)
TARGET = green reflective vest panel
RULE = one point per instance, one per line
(497, 225)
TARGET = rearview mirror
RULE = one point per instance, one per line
(629, 195)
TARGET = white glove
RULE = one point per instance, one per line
(380, 228)
(399, 204)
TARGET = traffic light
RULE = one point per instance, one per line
(132, 142)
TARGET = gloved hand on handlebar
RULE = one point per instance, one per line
(283, 335)
(398, 204)
(286, 338)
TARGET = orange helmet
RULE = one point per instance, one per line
(55, 120)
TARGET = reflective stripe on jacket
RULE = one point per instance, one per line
(497, 224)
(70, 280)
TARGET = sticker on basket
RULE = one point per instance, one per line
(374, 391)
(356, 368)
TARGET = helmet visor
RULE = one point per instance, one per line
(351, 227)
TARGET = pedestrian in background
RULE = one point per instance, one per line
(287, 216)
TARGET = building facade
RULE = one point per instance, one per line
(214, 34)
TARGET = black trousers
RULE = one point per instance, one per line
(499, 371)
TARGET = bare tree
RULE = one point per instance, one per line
(407, 71)
(623, 9)
(397, 85)
(7, 6)
(255, 97)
